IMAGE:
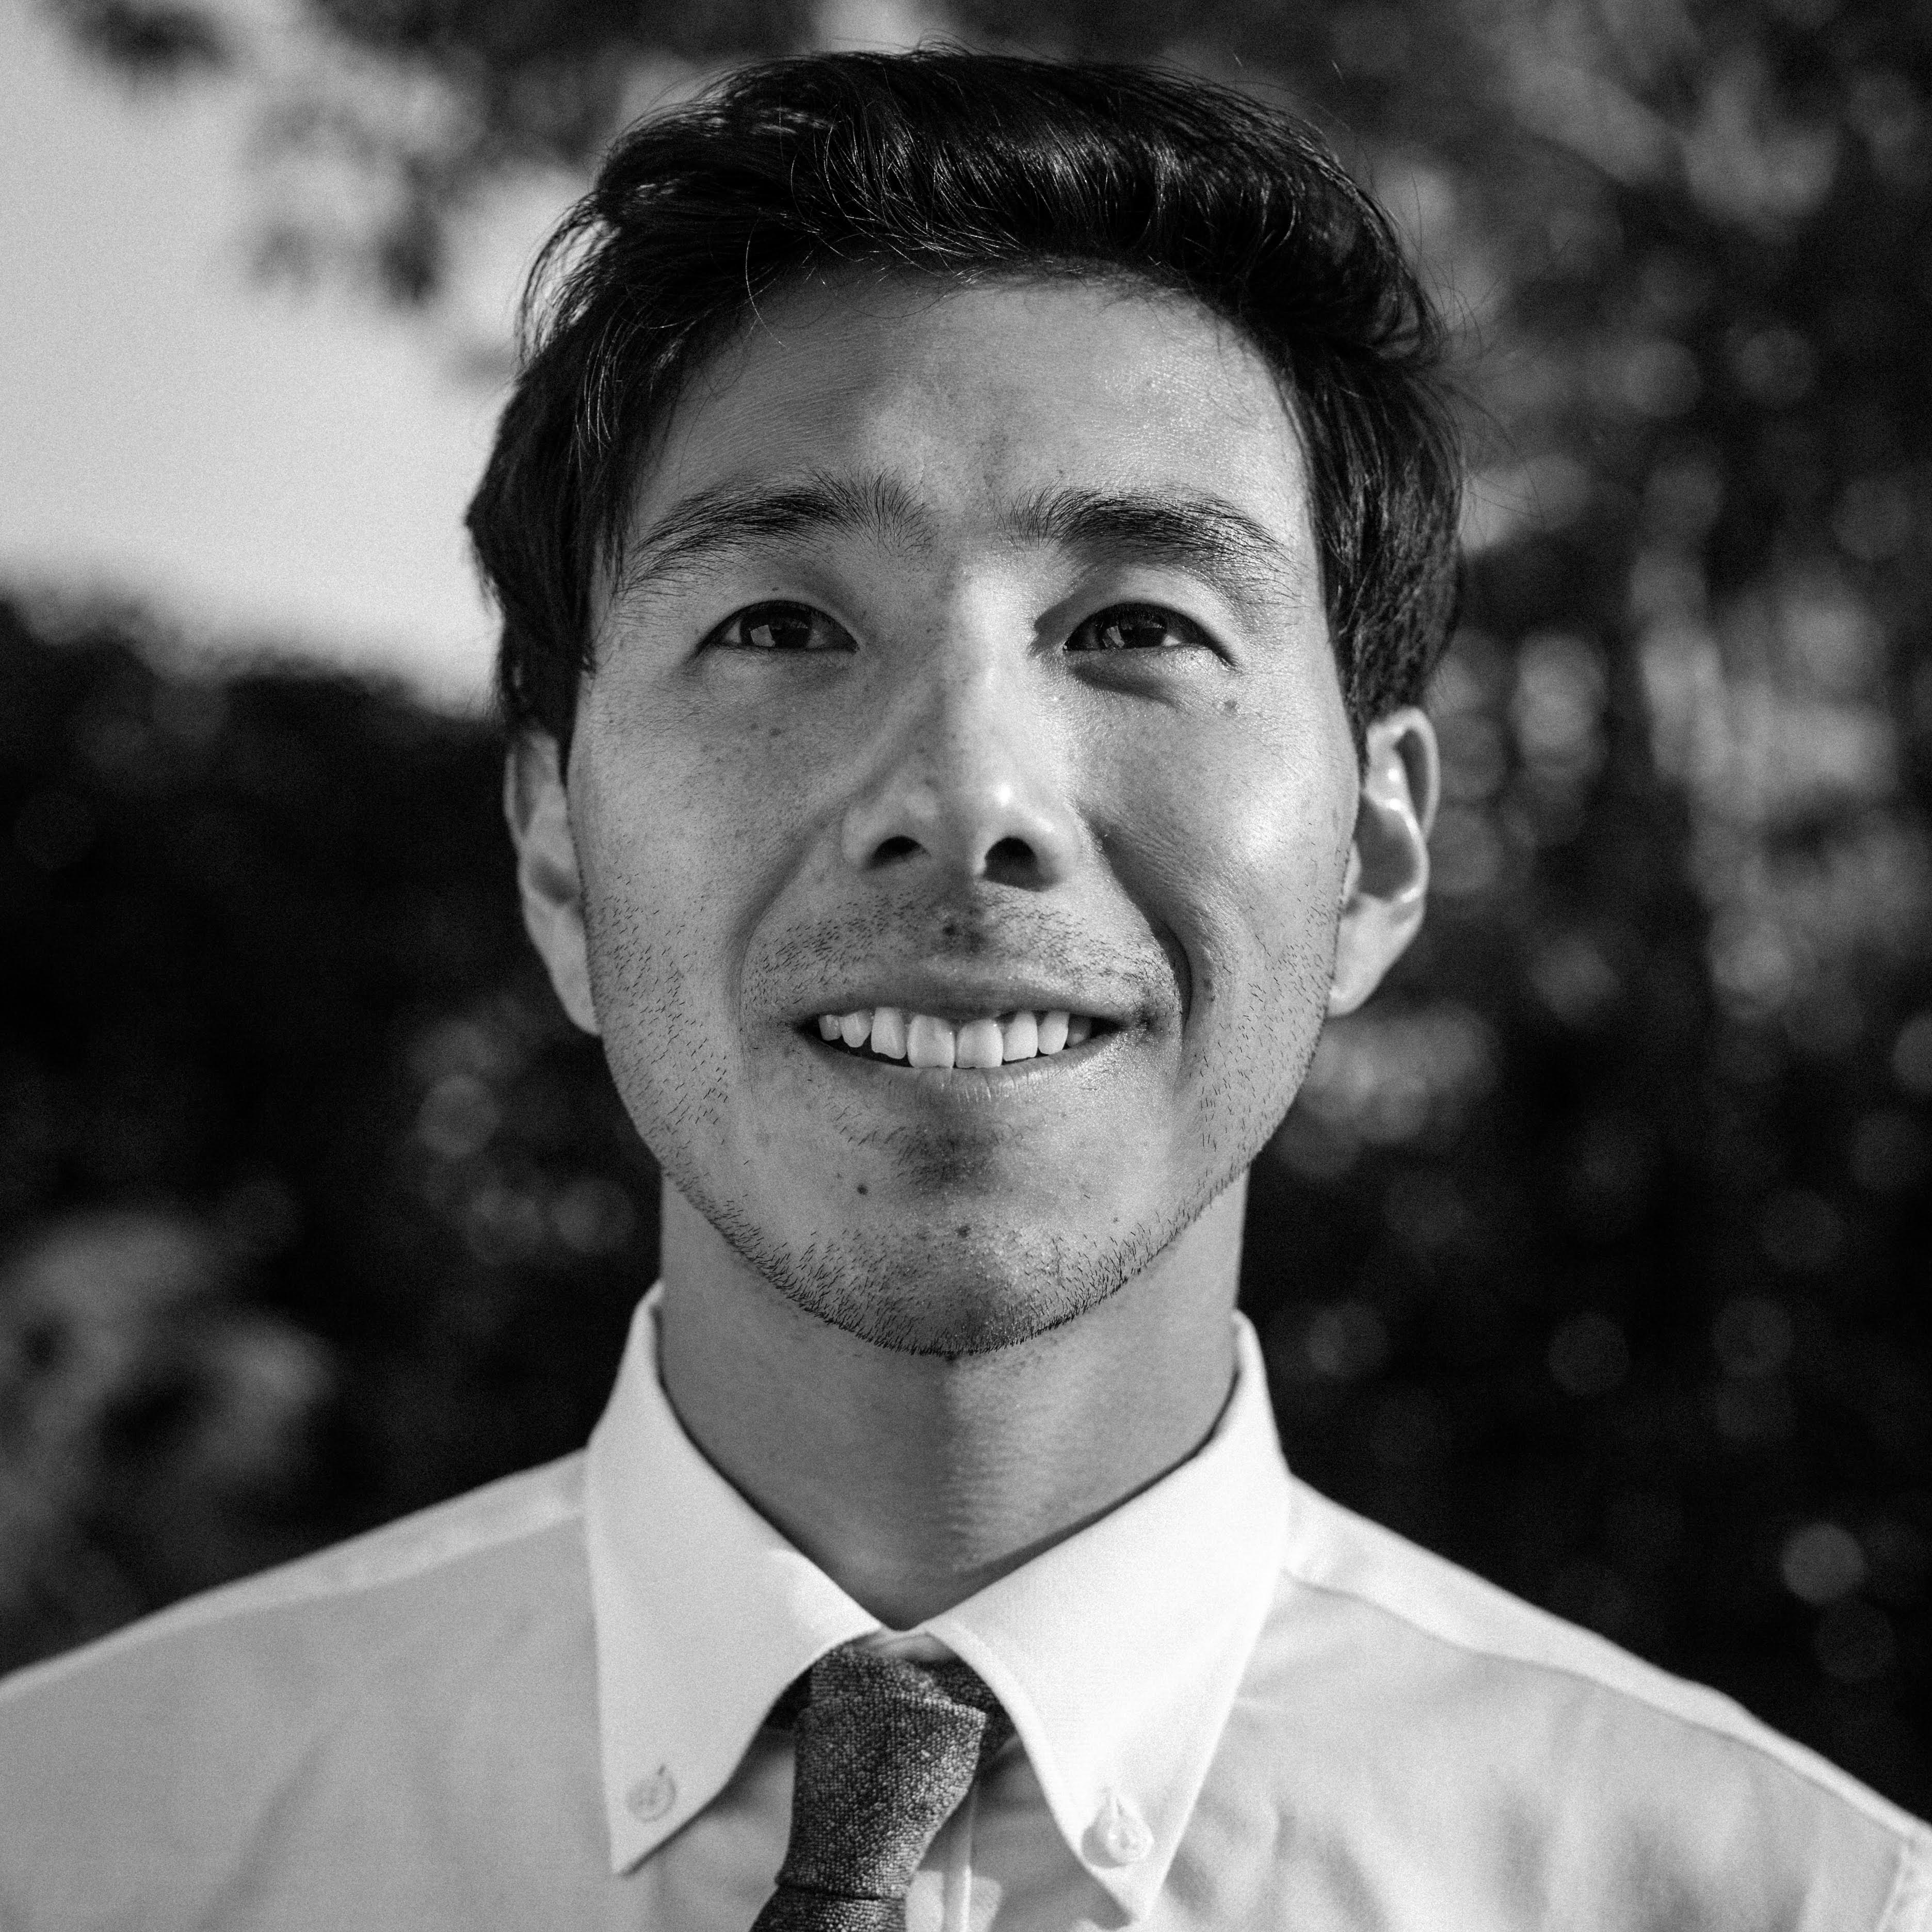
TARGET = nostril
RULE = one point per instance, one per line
(1011, 861)
(887, 849)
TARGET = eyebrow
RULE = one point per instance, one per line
(1193, 531)
(710, 522)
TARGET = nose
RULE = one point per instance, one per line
(970, 780)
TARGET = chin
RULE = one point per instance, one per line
(950, 1287)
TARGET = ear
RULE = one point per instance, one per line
(538, 809)
(1387, 883)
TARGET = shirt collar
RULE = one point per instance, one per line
(1117, 1653)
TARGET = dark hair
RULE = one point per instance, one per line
(949, 163)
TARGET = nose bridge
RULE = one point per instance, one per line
(969, 777)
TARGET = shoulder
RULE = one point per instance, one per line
(374, 1578)
(171, 1742)
(1601, 1771)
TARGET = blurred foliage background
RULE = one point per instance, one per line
(1594, 1253)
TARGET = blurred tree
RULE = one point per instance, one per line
(320, 1210)
(1594, 1253)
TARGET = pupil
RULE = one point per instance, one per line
(782, 630)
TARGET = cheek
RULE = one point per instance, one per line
(1288, 868)
(687, 832)
(1239, 842)
(655, 887)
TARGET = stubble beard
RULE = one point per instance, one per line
(942, 1286)
(925, 1292)
(932, 1287)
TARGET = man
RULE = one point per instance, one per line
(971, 535)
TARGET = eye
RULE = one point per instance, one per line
(1138, 627)
(778, 627)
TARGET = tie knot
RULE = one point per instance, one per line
(886, 1748)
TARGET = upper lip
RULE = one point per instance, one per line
(963, 996)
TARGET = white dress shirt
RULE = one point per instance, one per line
(1236, 1705)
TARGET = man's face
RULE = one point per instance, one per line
(967, 660)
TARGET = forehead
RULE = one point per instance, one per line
(970, 398)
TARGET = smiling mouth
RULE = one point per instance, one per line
(922, 1040)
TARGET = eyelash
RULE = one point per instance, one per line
(755, 616)
(1187, 633)
(1084, 637)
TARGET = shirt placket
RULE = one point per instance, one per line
(941, 1899)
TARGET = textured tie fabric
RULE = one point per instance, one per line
(886, 1748)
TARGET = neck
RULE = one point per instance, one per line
(913, 1480)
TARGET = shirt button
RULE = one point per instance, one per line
(650, 1798)
(1119, 1837)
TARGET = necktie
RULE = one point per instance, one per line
(886, 1748)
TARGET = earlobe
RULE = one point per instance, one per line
(1386, 889)
(538, 809)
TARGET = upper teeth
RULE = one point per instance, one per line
(924, 1041)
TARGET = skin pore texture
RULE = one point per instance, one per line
(966, 658)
